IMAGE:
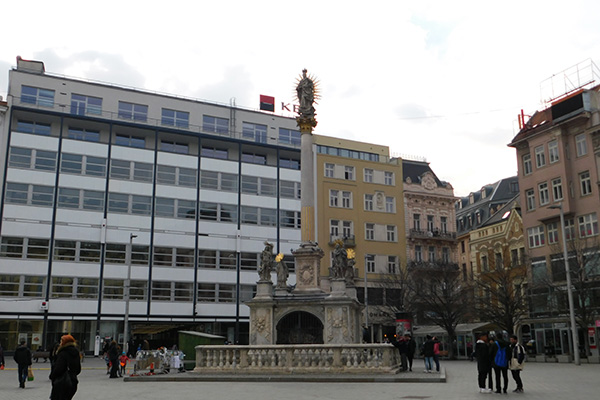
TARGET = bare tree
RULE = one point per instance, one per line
(440, 296)
(502, 298)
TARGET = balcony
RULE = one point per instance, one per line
(436, 234)
(348, 241)
(435, 265)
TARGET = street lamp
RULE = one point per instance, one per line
(126, 294)
(569, 289)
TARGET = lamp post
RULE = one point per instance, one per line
(569, 289)
(126, 295)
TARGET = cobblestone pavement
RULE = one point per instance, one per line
(541, 381)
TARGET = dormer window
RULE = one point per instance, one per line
(483, 193)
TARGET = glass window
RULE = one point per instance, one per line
(249, 215)
(536, 236)
(62, 286)
(215, 124)
(45, 160)
(540, 157)
(369, 231)
(289, 136)
(87, 288)
(418, 253)
(37, 96)
(9, 285)
(37, 248)
(417, 222)
(130, 141)
(249, 184)
(254, 132)
(207, 258)
(388, 178)
(581, 145)
(166, 175)
(228, 213)
(329, 170)
(184, 257)
(368, 202)
(68, 198)
(65, 250)
(254, 158)
(161, 291)
(16, 193)
(36, 128)
(174, 147)
(227, 259)
(141, 205)
(42, 195)
(585, 183)
(120, 169)
(183, 291)
(588, 225)
(165, 207)
(543, 192)
(288, 189)
(226, 293)
(391, 233)
(209, 211)
(19, 158)
(530, 197)
(368, 175)
(370, 262)
(349, 173)
(95, 166)
(229, 182)
(82, 105)
(163, 256)
(206, 292)
(11, 247)
(213, 152)
(210, 180)
(34, 286)
(187, 177)
(142, 172)
(89, 252)
(115, 253)
(71, 163)
(135, 112)
(87, 135)
(552, 232)
(268, 187)
(527, 169)
(186, 209)
(118, 202)
(553, 151)
(140, 254)
(288, 162)
(268, 217)
(346, 199)
(333, 198)
(289, 219)
(180, 119)
(557, 191)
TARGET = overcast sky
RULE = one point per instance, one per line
(443, 80)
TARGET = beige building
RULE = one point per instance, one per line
(359, 201)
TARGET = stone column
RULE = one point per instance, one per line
(307, 196)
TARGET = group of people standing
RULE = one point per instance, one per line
(498, 356)
(406, 347)
(65, 365)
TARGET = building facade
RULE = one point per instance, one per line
(360, 203)
(558, 153)
(99, 179)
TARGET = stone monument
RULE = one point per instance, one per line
(308, 313)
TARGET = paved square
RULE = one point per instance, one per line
(541, 381)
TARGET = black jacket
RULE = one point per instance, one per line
(428, 348)
(67, 360)
(22, 355)
(412, 346)
(482, 353)
(402, 346)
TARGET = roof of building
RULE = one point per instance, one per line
(501, 214)
(415, 169)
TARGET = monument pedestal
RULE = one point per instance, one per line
(308, 267)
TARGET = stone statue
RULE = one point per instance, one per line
(349, 274)
(306, 95)
(266, 263)
(282, 272)
(340, 261)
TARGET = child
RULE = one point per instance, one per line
(123, 363)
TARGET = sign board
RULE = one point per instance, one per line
(592, 337)
(598, 323)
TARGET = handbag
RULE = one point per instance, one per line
(29, 374)
(63, 383)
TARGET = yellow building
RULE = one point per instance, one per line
(360, 201)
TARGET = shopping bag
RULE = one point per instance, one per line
(29, 374)
(1, 367)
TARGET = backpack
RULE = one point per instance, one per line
(500, 359)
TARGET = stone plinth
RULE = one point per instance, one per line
(264, 290)
(308, 266)
(338, 287)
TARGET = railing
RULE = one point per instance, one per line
(348, 240)
(434, 234)
(305, 358)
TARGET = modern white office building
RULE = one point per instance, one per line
(98, 178)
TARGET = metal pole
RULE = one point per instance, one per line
(569, 289)
(126, 295)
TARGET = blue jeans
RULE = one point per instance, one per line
(428, 363)
(436, 359)
(23, 373)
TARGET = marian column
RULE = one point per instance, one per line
(308, 256)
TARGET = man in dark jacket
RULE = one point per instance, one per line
(22, 357)
(484, 365)
(402, 345)
(67, 361)
(500, 354)
(113, 356)
(428, 353)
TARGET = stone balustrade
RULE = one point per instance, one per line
(304, 358)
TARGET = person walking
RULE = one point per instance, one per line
(67, 365)
(22, 357)
(113, 357)
(436, 353)
(517, 362)
(482, 354)
(428, 354)
(412, 347)
(500, 355)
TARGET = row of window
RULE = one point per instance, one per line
(339, 229)
(516, 259)
(358, 155)
(581, 149)
(555, 188)
(90, 105)
(372, 202)
(40, 195)
(434, 254)
(347, 172)
(114, 289)
(587, 224)
(430, 220)
(381, 264)
(116, 253)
